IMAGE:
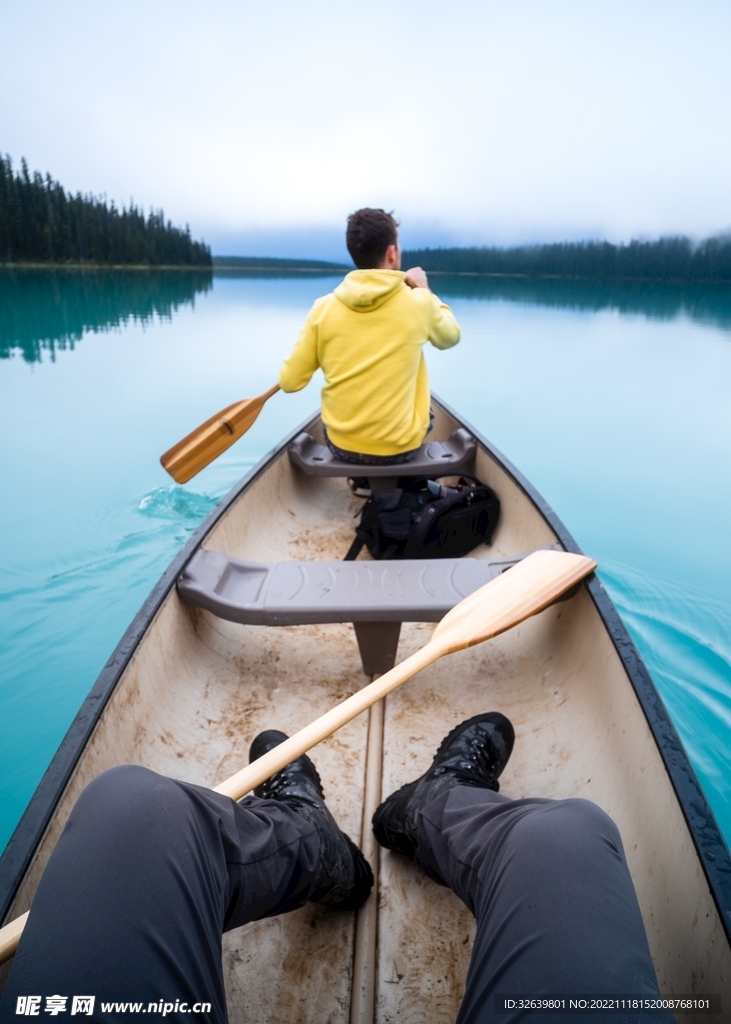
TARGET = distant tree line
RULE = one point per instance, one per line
(675, 259)
(41, 222)
(274, 263)
(51, 309)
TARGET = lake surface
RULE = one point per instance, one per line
(615, 401)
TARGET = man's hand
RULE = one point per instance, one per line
(416, 278)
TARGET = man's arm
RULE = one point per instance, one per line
(442, 329)
(302, 362)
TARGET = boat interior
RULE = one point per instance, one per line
(200, 687)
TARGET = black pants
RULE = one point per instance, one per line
(358, 459)
(149, 872)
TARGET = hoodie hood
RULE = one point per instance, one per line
(364, 290)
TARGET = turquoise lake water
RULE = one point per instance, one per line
(614, 401)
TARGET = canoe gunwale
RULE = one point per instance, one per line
(709, 843)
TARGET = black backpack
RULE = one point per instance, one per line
(422, 519)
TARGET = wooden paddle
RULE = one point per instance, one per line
(210, 439)
(524, 590)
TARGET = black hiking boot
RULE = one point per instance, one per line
(472, 754)
(344, 877)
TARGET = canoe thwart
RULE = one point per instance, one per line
(435, 458)
(301, 593)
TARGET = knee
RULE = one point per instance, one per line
(574, 824)
(122, 793)
(583, 814)
(589, 820)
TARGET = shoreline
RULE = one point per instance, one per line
(580, 277)
(336, 271)
(329, 272)
(30, 265)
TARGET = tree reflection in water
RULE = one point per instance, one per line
(708, 304)
(42, 311)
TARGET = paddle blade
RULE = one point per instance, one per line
(212, 438)
(524, 590)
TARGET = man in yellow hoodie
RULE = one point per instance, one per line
(367, 336)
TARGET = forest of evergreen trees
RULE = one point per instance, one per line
(40, 223)
(667, 260)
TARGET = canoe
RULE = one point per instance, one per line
(188, 688)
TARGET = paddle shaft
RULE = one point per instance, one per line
(10, 936)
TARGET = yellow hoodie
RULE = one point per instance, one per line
(367, 337)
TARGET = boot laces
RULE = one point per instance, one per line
(292, 782)
(477, 762)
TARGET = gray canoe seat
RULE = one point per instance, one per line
(435, 458)
(375, 596)
(299, 593)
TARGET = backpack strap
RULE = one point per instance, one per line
(355, 549)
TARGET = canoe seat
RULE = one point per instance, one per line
(435, 458)
(375, 596)
(299, 593)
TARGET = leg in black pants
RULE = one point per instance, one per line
(146, 876)
(555, 905)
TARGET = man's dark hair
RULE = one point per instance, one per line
(369, 234)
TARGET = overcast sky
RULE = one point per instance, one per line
(264, 124)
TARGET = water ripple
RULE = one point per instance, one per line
(684, 637)
(177, 504)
